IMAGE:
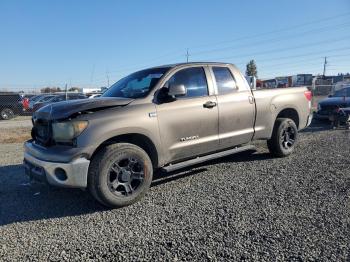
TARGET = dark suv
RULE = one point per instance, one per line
(327, 106)
(10, 105)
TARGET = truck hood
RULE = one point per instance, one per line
(335, 101)
(65, 109)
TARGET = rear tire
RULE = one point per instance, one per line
(284, 137)
(7, 114)
(120, 175)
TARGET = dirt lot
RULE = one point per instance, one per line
(243, 207)
(16, 130)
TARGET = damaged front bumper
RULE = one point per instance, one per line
(57, 173)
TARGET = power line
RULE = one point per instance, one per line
(176, 53)
(272, 40)
(300, 62)
(285, 49)
(277, 31)
(310, 67)
(307, 54)
(97, 80)
(261, 65)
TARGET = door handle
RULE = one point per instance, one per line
(209, 104)
(251, 99)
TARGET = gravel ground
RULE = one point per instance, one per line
(243, 207)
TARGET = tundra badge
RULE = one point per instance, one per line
(183, 139)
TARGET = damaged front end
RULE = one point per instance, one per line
(59, 124)
(53, 155)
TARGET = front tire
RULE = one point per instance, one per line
(120, 175)
(284, 137)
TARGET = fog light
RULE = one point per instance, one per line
(60, 174)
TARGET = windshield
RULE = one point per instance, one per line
(342, 92)
(136, 85)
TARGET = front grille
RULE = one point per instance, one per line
(42, 132)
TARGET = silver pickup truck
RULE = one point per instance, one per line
(162, 118)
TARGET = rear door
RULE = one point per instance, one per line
(236, 106)
(188, 127)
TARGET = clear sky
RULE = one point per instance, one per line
(50, 43)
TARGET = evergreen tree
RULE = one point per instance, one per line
(251, 69)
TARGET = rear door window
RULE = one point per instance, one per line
(224, 79)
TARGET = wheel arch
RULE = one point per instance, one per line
(291, 113)
(137, 139)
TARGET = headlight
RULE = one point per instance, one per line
(318, 107)
(66, 131)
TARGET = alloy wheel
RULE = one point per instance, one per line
(125, 176)
(288, 137)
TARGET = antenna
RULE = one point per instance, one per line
(187, 55)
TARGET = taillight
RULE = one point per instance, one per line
(308, 95)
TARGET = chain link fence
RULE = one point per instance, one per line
(14, 103)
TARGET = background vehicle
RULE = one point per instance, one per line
(339, 99)
(166, 117)
(38, 99)
(10, 105)
(57, 98)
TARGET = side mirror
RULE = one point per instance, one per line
(177, 90)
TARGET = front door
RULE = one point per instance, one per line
(189, 125)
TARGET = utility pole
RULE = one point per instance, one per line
(187, 55)
(107, 75)
(324, 66)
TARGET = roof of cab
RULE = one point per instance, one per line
(192, 63)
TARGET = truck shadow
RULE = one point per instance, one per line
(21, 202)
(251, 155)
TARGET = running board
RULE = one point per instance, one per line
(205, 158)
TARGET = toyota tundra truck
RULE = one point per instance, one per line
(162, 118)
